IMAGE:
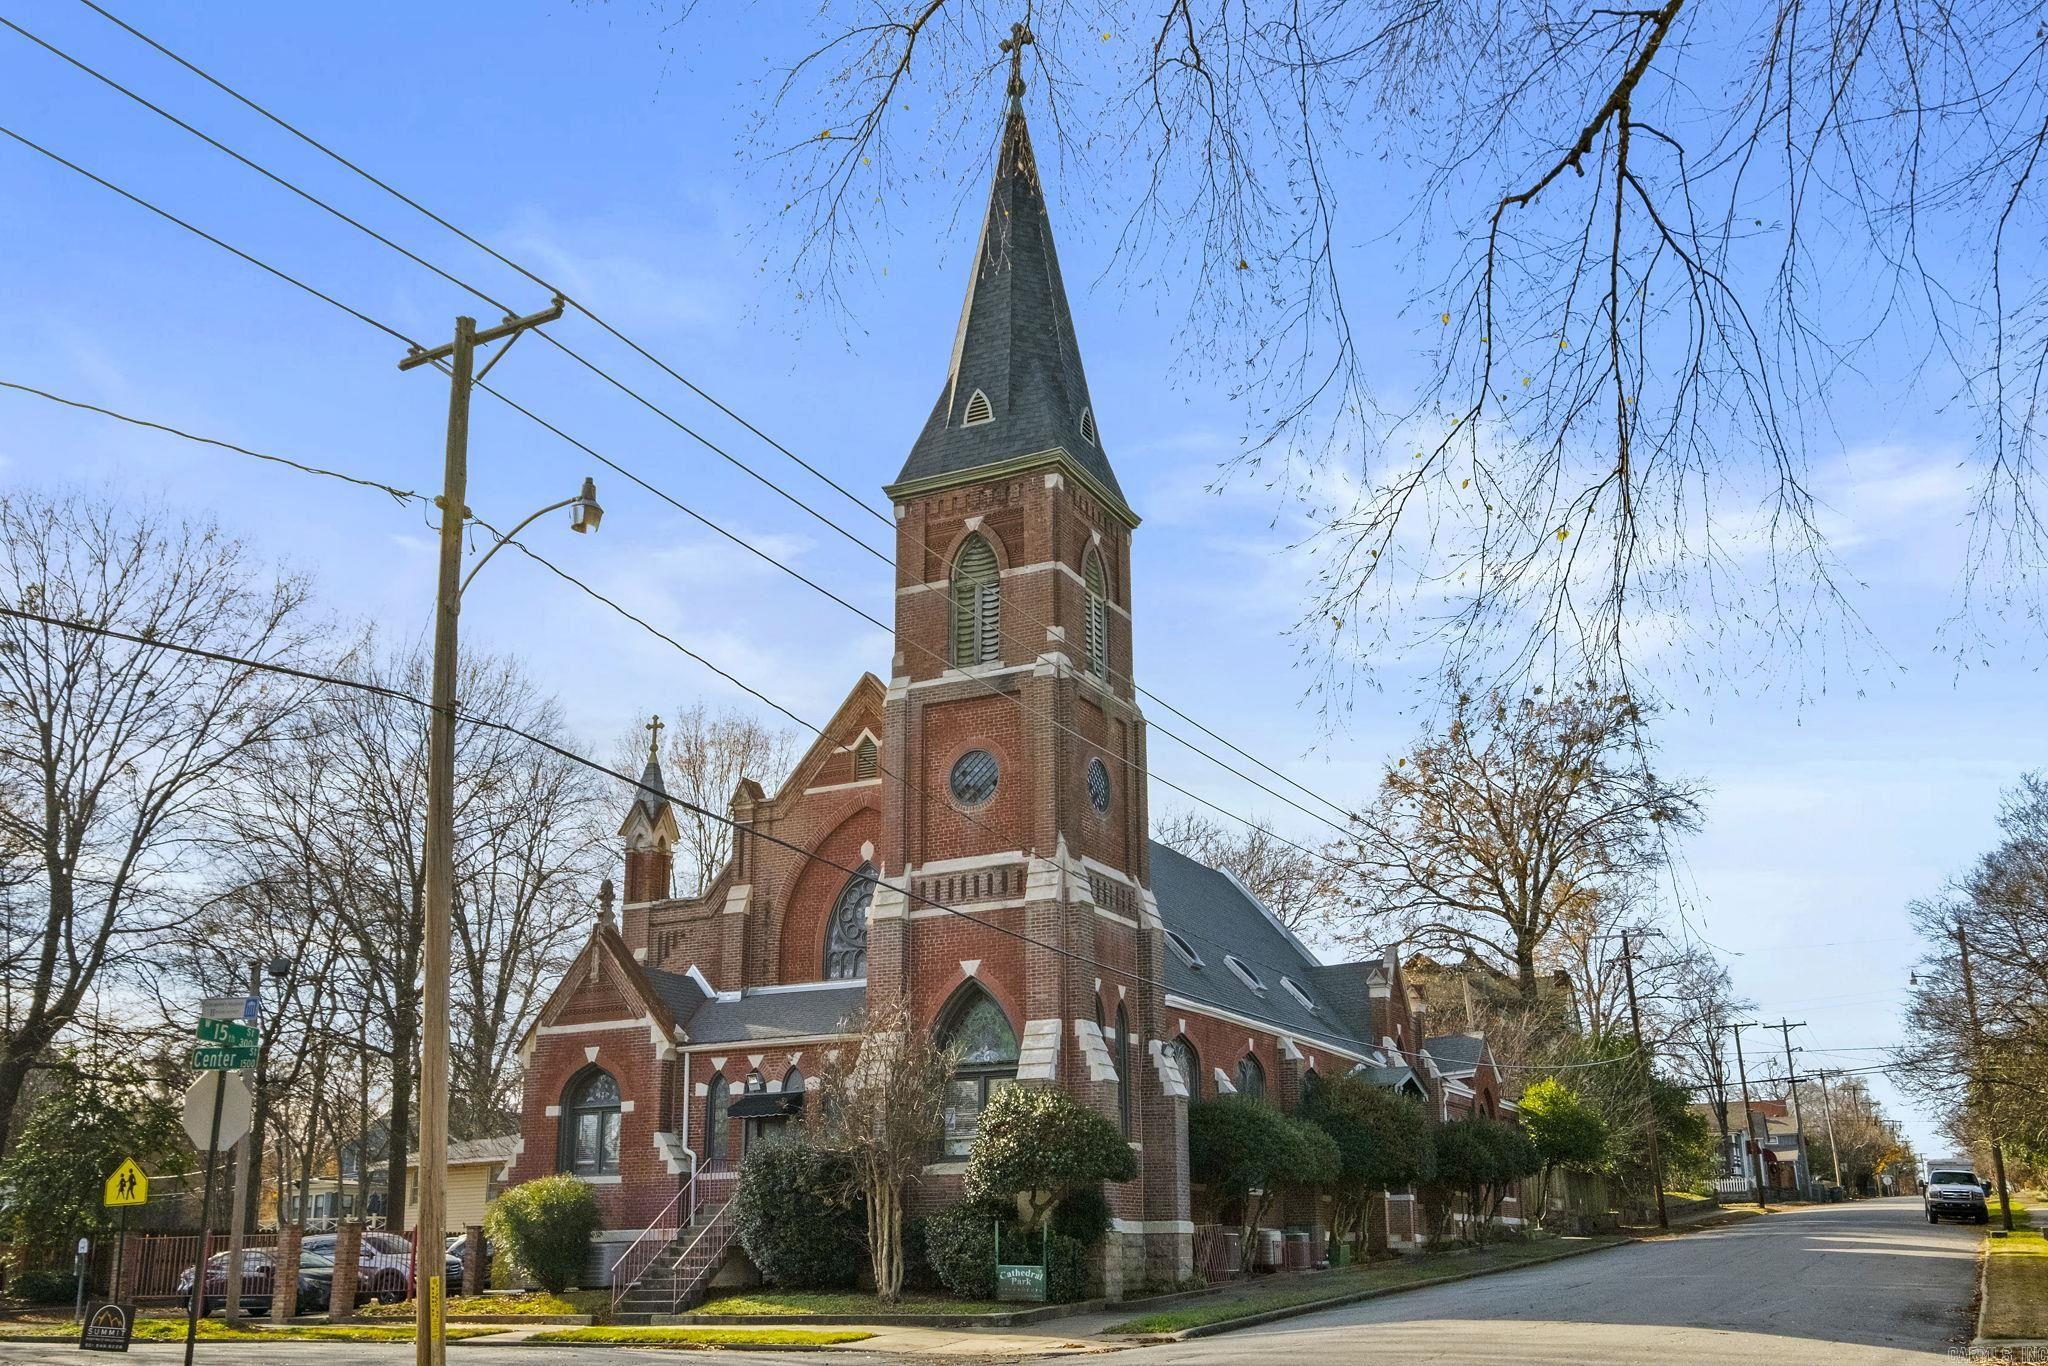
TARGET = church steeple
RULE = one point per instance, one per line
(1015, 392)
(650, 831)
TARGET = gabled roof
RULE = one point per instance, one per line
(1016, 347)
(1456, 1055)
(770, 1013)
(1216, 916)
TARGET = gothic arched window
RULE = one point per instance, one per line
(590, 1124)
(1251, 1078)
(977, 604)
(974, 1026)
(846, 933)
(1123, 1070)
(1095, 622)
(1190, 1065)
(717, 1135)
(792, 1080)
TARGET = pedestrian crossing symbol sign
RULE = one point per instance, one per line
(127, 1186)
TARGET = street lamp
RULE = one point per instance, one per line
(440, 891)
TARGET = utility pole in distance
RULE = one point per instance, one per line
(430, 1345)
(1827, 1111)
(1753, 1170)
(1635, 1023)
(1785, 1027)
(1977, 1071)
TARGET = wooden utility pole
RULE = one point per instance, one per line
(1754, 1170)
(1785, 1027)
(247, 1154)
(1827, 1110)
(429, 1263)
(1635, 1023)
(1977, 1074)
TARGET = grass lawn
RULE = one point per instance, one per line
(2016, 1278)
(534, 1302)
(1379, 1276)
(845, 1303)
(704, 1339)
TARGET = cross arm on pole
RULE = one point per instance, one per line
(511, 327)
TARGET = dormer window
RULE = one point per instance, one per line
(978, 410)
(1298, 994)
(1244, 974)
(1088, 427)
(1184, 949)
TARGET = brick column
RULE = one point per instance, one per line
(348, 1265)
(284, 1291)
(473, 1259)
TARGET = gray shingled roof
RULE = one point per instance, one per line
(1015, 343)
(1455, 1054)
(651, 784)
(1215, 916)
(678, 991)
(801, 1012)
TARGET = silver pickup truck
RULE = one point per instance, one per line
(1954, 1192)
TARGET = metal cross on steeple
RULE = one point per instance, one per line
(1020, 34)
(653, 729)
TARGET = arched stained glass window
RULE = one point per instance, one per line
(590, 1124)
(1095, 622)
(846, 933)
(977, 604)
(1190, 1065)
(717, 1128)
(792, 1080)
(985, 1046)
(1251, 1078)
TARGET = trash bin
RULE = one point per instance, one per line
(1270, 1245)
(1297, 1255)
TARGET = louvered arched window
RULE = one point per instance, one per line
(977, 604)
(1096, 626)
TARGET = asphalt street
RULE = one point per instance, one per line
(1870, 1283)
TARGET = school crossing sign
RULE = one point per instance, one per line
(127, 1186)
(227, 1037)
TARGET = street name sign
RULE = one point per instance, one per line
(129, 1185)
(227, 1033)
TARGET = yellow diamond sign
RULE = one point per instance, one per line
(127, 1186)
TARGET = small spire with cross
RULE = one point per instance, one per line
(653, 729)
(1020, 35)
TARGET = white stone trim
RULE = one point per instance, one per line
(552, 1112)
(675, 1154)
(1038, 1051)
(841, 787)
(737, 897)
(890, 900)
(945, 1169)
(979, 671)
(1345, 1051)
(596, 1026)
(969, 864)
(1288, 1052)
(1094, 1051)
(612, 1180)
(1171, 1083)
(971, 908)
(1123, 920)
(831, 983)
(1152, 1225)
(1224, 1085)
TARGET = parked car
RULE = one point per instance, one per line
(259, 1282)
(457, 1247)
(1954, 1192)
(383, 1264)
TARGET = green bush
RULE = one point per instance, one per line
(1083, 1216)
(960, 1244)
(43, 1286)
(796, 1215)
(546, 1226)
(917, 1263)
(1045, 1146)
(1067, 1274)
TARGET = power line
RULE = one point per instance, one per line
(925, 792)
(1280, 1028)
(665, 367)
(988, 685)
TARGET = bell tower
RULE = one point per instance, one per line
(1015, 853)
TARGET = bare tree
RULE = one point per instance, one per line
(884, 1108)
(1641, 247)
(705, 752)
(1302, 889)
(113, 757)
(1503, 826)
(1703, 1003)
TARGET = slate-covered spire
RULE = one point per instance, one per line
(1015, 388)
(653, 793)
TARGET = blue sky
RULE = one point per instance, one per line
(580, 140)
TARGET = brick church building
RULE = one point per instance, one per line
(973, 837)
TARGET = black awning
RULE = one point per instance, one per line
(766, 1105)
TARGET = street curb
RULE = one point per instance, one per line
(1010, 1319)
(699, 1346)
(1355, 1297)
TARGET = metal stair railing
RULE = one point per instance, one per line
(654, 1240)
